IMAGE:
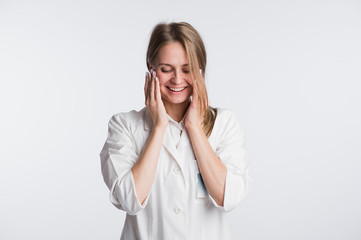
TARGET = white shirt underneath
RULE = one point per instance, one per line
(176, 129)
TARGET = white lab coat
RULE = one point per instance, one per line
(178, 205)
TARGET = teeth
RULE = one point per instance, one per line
(176, 89)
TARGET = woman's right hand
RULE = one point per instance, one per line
(153, 100)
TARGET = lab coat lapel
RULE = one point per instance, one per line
(169, 145)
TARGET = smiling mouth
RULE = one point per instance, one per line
(176, 89)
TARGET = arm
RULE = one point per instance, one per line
(129, 176)
(118, 155)
(212, 169)
(225, 169)
(145, 168)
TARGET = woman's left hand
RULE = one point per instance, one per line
(193, 116)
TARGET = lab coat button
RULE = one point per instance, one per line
(176, 170)
(177, 210)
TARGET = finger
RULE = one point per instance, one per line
(157, 90)
(152, 87)
(150, 76)
(148, 86)
(195, 101)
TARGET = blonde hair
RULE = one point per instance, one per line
(187, 35)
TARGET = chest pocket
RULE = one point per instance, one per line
(200, 188)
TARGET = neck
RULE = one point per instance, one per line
(176, 111)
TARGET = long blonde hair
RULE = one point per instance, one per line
(187, 35)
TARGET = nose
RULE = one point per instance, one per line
(177, 77)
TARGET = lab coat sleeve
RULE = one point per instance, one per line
(117, 157)
(230, 149)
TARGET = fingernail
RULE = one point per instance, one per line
(156, 78)
(151, 70)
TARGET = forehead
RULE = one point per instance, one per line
(173, 54)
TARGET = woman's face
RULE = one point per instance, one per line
(171, 66)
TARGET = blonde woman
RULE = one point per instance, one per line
(177, 165)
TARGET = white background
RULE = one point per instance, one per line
(290, 70)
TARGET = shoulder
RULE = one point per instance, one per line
(128, 119)
(227, 123)
(225, 115)
(130, 115)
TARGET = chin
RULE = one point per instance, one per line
(176, 101)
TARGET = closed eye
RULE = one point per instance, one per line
(167, 71)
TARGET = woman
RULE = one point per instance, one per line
(177, 165)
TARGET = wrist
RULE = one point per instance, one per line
(161, 126)
(194, 127)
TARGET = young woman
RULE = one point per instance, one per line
(177, 165)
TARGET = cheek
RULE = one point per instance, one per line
(162, 87)
(190, 83)
(162, 78)
(161, 83)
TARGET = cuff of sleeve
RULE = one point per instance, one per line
(142, 206)
(214, 202)
(127, 195)
(211, 199)
(236, 189)
(233, 192)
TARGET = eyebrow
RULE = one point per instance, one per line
(167, 64)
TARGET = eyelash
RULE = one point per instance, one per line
(185, 71)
